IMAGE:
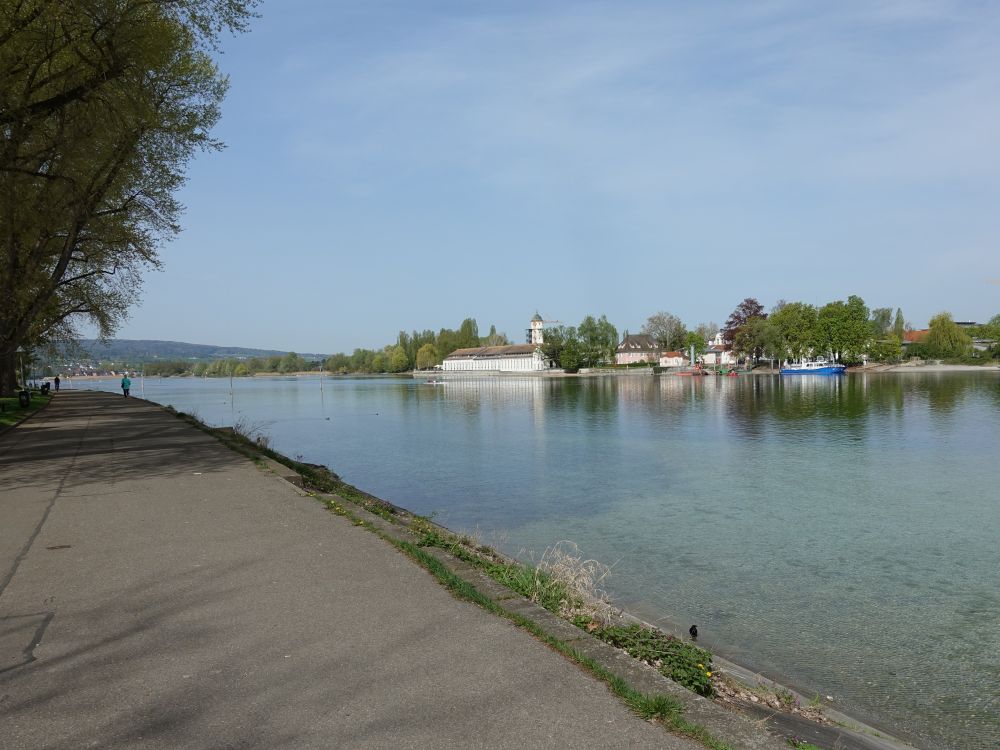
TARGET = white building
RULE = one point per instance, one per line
(511, 358)
(718, 352)
(673, 359)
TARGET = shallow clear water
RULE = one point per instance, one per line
(839, 534)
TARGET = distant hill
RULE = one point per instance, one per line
(134, 351)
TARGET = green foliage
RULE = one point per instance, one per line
(843, 329)
(102, 106)
(338, 363)
(598, 341)
(751, 338)
(886, 350)
(695, 339)
(945, 339)
(881, 322)
(427, 357)
(745, 329)
(12, 412)
(679, 660)
(167, 367)
(794, 330)
(899, 325)
(494, 338)
(397, 359)
(292, 362)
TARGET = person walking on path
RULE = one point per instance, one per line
(126, 384)
(57, 382)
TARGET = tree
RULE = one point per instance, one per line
(102, 105)
(899, 325)
(745, 311)
(945, 339)
(844, 329)
(495, 339)
(291, 362)
(881, 321)
(697, 340)
(794, 330)
(570, 358)
(427, 357)
(749, 339)
(556, 340)
(337, 363)
(667, 329)
(598, 341)
(397, 360)
(468, 334)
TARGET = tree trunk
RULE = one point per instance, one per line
(8, 374)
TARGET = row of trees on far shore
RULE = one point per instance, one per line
(230, 366)
(848, 331)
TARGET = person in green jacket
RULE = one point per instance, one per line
(126, 384)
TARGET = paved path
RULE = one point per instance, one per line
(159, 591)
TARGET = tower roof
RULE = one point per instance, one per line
(537, 318)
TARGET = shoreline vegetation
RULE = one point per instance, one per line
(847, 332)
(875, 368)
(567, 585)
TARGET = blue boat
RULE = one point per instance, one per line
(816, 367)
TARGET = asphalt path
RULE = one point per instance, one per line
(158, 590)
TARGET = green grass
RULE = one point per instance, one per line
(682, 662)
(11, 411)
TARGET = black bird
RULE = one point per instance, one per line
(693, 630)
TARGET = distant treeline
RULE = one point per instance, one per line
(288, 363)
(419, 350)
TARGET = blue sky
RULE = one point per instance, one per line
(401, 165)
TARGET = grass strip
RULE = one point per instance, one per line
(11, 411)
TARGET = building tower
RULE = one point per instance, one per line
(535, 331)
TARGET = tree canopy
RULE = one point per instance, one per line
(945, 338)
(102, 106)
(667, 329)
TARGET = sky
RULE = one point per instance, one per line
(404, 165)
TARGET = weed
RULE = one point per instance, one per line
(252, 432)
(682, 662)
(800, 744)
(581, 578)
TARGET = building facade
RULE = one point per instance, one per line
(673, 359)
(513, 358)
(635, 348)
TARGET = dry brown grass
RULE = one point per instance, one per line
(583, 579)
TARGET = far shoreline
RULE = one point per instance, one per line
(549, 374)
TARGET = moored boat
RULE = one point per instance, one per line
(815, 367)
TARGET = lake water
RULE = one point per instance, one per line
(839, 534)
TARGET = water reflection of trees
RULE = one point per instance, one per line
(746, 404)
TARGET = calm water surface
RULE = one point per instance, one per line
(840, 534)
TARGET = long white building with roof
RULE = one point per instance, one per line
(510, 358)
